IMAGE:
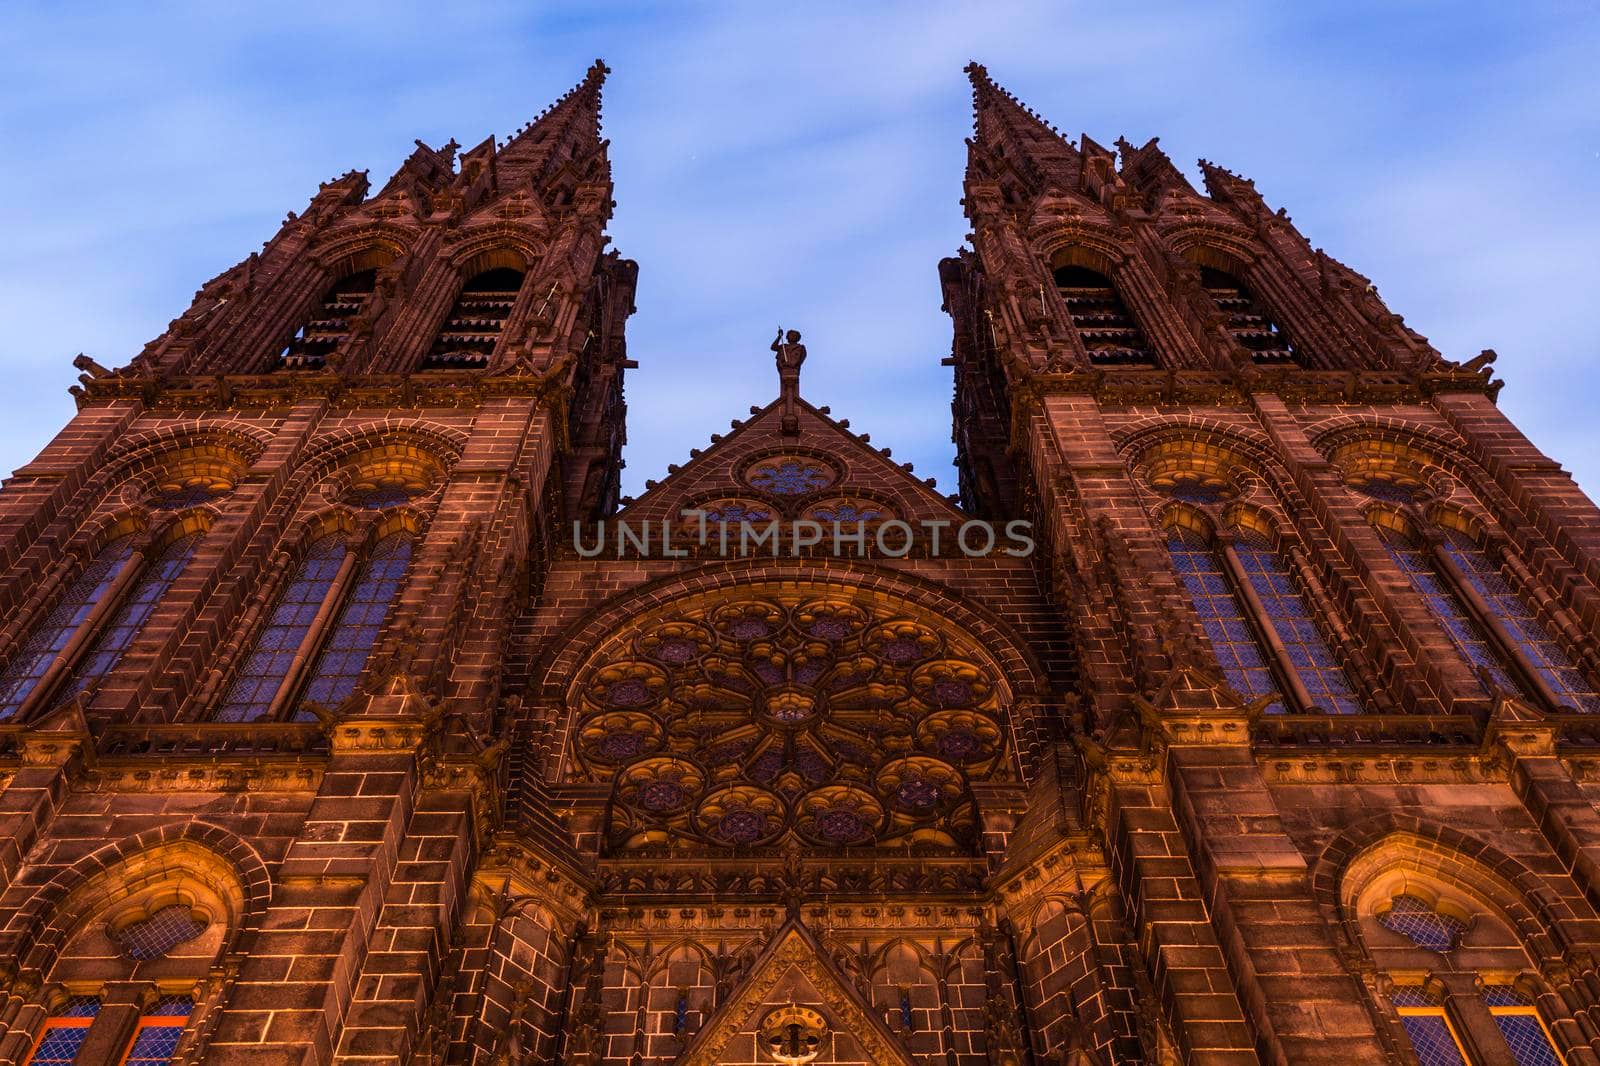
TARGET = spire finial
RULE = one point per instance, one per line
(791, 353)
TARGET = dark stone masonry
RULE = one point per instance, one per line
(321, 741)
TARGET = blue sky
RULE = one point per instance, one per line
(802, 166)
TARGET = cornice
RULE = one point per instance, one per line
(1131, 386)
(434, 388)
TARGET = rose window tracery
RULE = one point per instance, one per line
(748, 718)
(787, 475)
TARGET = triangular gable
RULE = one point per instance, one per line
(717, 471)
(792, 966)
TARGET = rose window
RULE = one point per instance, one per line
(752, 717)
(789, 476)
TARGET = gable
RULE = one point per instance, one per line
(793, 979)
(825, 473)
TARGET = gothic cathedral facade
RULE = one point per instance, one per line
(327, 736)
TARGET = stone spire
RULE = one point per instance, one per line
(1006, 132)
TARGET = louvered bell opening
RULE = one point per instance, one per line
(1250, 325)
(329, 326)
(473, 329)
(1103, 322)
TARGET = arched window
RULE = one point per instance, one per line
(329, 326)
(113, 639)
(1263, 631)
(64, 1031)
(338, 669)
(1106, 328)
(330, 613)
(472, 329)
(1222, 615)
(1462, 983)
(267, 666)
(1307, 654)
(1249, 323)
(1567, 685)
(1469, 635)
(33, 660)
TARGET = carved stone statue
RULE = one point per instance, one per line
(790, 355)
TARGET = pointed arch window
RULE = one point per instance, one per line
(1103, 322)
(50, 641)
(344, 656)
(1488, 622)
(1248, 322)
(1469, 636)
(298, 630)
(64, 1032)
(1556, 674)
(1262, 629)
(472, 329)
(113, 638)
(329, 325)
(1222, 614)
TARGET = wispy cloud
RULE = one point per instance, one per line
(803, 166)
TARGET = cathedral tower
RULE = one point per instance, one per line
(1318, 586)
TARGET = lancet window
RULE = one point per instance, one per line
(50, 642)
(1490, 624)
(1103, 322)
(472, 329)
(134, 609)
(329, 614)
(1255, 614)
(1246, 320)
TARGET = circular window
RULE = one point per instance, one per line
(789, 475)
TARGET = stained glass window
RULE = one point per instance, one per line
(40, 648)
(118, 632)
(1240, 654)
(1422, 925)
(1422, 1014)
(846, 514)
(355, 632)
(733, 512)
(64, 1031)
(252, 692)
(1468, 636)
(379, 497)
(155, 936)
(1291, 619)
(159, 1032)
(789, 477)
(1521, 1025)
(1547, 658)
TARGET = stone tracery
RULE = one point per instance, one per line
(745, 718)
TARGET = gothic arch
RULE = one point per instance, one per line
(498, 244)
(249, 440)
(1078, 242)
(1134, 440)
(40, 927)
(1015, 662)
(1441, 851)
(373, 244)
(1234, 248)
